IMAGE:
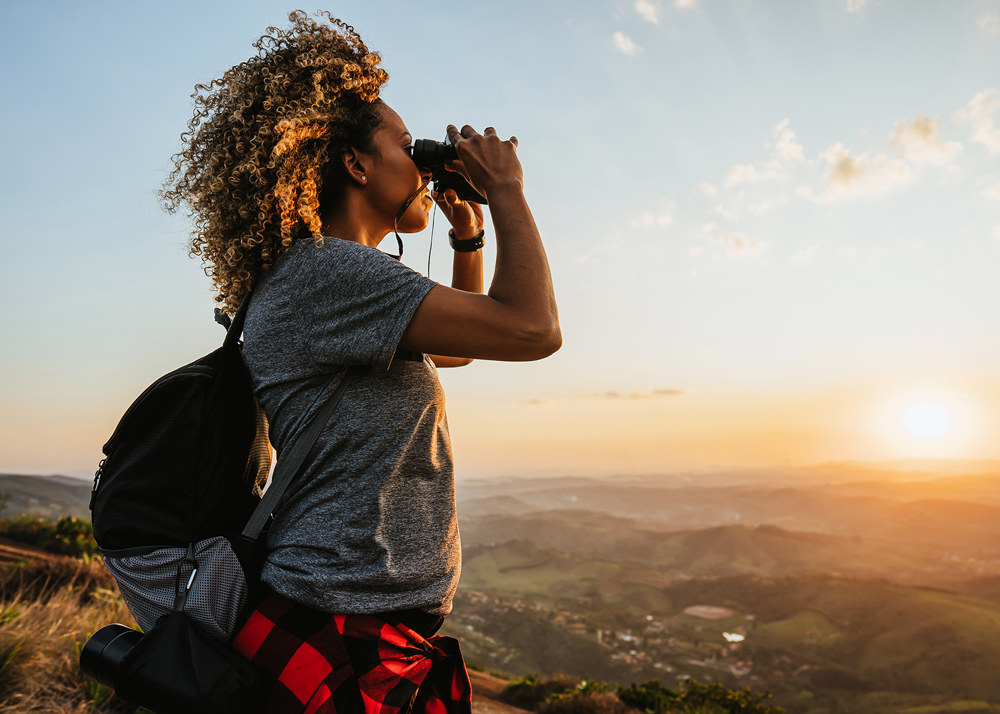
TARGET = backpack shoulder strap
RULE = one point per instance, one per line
(234, 330)
(290, 462)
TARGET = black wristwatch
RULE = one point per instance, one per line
(470, 245)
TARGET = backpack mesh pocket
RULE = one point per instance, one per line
(147, 579)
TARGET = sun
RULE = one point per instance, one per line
(927, 420)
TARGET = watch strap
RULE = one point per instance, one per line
(469, 245)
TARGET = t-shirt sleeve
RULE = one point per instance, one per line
(364, 302)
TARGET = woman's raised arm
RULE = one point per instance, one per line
(517, 319)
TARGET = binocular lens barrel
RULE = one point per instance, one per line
(430, 154)
(103, 652)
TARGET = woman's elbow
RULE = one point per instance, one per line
(543, 341)
(554, 341)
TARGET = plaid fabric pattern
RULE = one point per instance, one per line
(351, 664)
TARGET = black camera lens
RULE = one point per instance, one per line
(104, 651)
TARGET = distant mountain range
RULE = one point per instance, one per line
(765, 550)
(47, 496)
(958, 512)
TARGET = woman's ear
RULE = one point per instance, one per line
(355, 163)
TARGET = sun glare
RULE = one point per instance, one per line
(931, 421)
(927, 420)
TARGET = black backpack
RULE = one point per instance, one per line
(178, 514)
(182, 470)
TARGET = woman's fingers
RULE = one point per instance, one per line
(484, 158)
(465, 217)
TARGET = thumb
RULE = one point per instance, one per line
(451, 197)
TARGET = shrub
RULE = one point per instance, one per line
(654, 698)
(68, 536)
(577, 703)
(650, 697)
(530, 691)
(567, 696)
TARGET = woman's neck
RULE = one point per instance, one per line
(353, 220)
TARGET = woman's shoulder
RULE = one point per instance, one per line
(336, 266)
(338, 255)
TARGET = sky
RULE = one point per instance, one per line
(773, 227)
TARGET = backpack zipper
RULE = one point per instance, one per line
(97, 480)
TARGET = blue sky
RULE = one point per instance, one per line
(754, 210)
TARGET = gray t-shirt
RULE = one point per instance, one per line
(368, 525)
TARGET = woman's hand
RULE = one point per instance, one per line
(465, 217)
(486, 161)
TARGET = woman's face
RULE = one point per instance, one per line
(393, 176)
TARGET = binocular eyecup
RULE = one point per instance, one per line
(104, 652)
(433, 156)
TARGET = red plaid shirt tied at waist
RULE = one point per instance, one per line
(351, 664)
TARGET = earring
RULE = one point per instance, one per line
(364, 178)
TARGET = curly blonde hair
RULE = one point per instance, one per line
(255, 162)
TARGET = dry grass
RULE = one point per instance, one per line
(48, 609)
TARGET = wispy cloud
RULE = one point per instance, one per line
(635, 396)
(655, 219)
(851, 175)
(993, 192)
(979, 112)
(785, 150)
(648, 11)
(856, 5)
(750, 173)
(723, 212)
(805, 255)
(786, 144)
(990, 22)
(685, 4)
(625, 44)
(707, 189)
(921, 143)
(739, 246)
(651, 220)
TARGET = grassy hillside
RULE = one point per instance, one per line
(810, 640)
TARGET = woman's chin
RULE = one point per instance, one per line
(415, 224)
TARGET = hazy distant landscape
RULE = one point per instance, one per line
(842, 588)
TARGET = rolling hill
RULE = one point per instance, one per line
(47, 496)
(729, 550)
(837, 641)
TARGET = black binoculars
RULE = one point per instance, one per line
(430, 155)
(104, 651)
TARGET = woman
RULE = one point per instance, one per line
(295, 171)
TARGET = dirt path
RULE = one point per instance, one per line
(485, 689)
(12, 552)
